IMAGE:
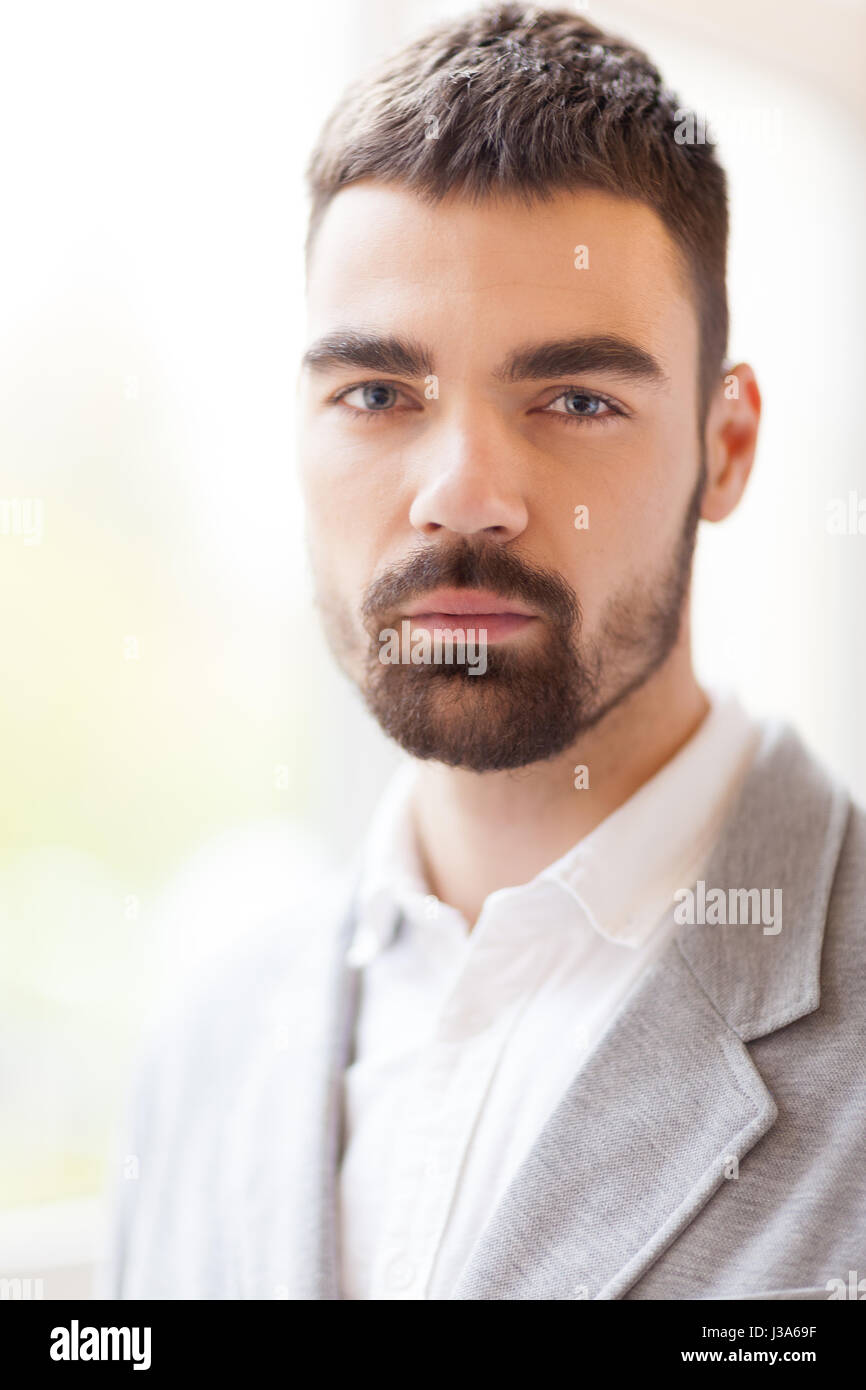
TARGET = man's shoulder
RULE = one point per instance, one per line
(205, 1051)
(791, 800)
(822, 826)
(846, 910)
(214, 1018)
(823, 808)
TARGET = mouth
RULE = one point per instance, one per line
(491, 616)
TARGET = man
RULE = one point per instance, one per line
(583, 1021)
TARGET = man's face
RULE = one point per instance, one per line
(499, 432)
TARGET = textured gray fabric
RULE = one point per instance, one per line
(713, 1144)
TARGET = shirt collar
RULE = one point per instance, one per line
(392, 877)
(623, 874)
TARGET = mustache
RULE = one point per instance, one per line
(472, 565)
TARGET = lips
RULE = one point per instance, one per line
(489, 614)
(460, 603)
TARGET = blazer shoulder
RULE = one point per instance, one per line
(846, 909)
(217, 1011)
(197, 1054)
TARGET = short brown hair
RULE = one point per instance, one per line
(530, 101)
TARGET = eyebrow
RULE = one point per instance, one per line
(572, 356)
(559, 357)
(399, 356)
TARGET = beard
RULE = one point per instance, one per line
(532, 702)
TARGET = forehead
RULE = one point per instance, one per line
(493, 270)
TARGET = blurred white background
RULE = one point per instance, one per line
(177, 749)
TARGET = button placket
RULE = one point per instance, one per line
(461, 1061)
(420, 1198)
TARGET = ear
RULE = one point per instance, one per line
(730, 438)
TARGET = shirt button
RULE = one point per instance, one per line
(399, 1273)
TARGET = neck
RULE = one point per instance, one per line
(478, 832)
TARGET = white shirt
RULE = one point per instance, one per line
(467, 1039)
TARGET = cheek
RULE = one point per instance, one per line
(342, 536)
(354, 482)
(642, 494)
(629, 518)
(330, 488)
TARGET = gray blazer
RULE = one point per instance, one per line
(712, 1145)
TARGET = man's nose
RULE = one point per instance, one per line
(470, 483)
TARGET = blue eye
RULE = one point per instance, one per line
(581, 405)
(376, 396)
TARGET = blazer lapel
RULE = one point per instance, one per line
(643, 1137)
(654, 1120)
